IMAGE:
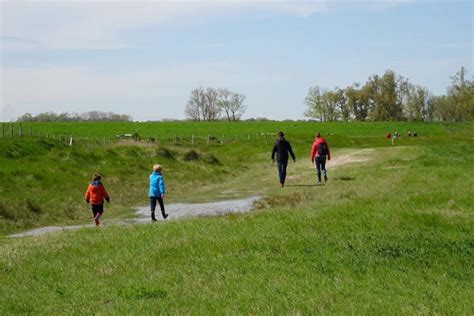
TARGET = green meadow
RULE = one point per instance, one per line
(390, 233)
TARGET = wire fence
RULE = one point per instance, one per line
(18, 130)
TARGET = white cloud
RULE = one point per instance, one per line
(95, 25)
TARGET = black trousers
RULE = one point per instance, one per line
(97, 209)
(320, 166)
(153, 201)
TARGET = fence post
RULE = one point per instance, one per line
(222, 142)
(70, 141)
(248, 137)
(104, 141)
(192, 139)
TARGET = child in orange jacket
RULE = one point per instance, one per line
(95, 195)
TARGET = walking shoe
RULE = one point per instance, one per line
(325, 178)
(165, 216)
(153, 218)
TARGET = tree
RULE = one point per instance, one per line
(358, 101)
(237, 106)
(313, 101)
(195, 104)
(416, 108)
(224, 102)
(210, 111)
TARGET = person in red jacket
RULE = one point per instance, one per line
(319, 153)
(95, 195)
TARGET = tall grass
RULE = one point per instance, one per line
(392, 235)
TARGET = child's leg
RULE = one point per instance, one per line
(97, 209)
(152, 207)
(162, 207)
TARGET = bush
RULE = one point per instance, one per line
(191, 155)
(163, 152)
(33, 207)
(211, 159)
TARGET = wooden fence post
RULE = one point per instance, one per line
(192, 139)
(70, 141)
(222, 142)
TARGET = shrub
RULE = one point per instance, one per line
(191, 155)
(163, 152)
(211, 159)
(33, 207)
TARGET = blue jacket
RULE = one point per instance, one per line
(157, 185)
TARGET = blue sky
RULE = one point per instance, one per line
(143, 58)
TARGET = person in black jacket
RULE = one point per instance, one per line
(281, 148)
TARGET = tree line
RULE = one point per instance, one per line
(392, 98)
(92, 116)
(210, 104)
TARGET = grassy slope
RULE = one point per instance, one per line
(42, 181)
(391, 235)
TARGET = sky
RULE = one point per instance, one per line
(144, 58)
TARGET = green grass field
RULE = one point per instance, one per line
(391, 232)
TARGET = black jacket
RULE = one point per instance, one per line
(281, 148)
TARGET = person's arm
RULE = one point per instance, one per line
(88, 195)
(313, 151)
(104, 194)
(290, 150)
(275, 147)
(161, 184)
(329, 153)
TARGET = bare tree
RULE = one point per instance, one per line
(195, 104)
(210, 110)
(224, 102)
(237, 106)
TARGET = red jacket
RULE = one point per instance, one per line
(96, 193)
(314, 149)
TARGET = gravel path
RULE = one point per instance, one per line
(175, 211)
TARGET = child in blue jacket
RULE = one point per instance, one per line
(157, 191)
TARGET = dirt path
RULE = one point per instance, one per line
(241, 187)
(175, 211)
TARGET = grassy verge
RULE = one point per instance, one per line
(392, 234)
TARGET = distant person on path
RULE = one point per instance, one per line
(319, 153)
(281, 148)
(95, 195)
(157, 192)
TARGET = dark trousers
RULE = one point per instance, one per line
(97, 209)
(282, 164)
(321, 166)
(153, 201)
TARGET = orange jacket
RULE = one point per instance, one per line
(96, 193)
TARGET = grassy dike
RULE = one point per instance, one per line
(390, 234)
